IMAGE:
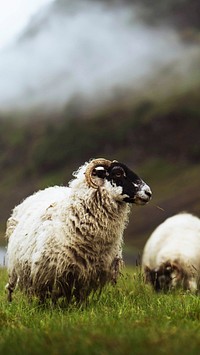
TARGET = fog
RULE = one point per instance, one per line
(91, 51)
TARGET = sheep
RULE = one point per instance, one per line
(171, 256)
(67, 241)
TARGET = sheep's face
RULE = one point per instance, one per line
(167, 276)
(160, 278)
(123, 183)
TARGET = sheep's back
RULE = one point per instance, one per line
(25, 223)
(178, 238)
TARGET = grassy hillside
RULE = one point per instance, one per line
(158, 139)
(127, 319)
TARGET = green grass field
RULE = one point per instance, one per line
(128, 318)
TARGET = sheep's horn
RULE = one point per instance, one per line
(91, 166)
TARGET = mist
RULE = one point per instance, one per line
(90, 51)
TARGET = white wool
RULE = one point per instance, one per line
(51, 234)
(177, 240)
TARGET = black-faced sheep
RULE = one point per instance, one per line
(171, 256)
(67, 241)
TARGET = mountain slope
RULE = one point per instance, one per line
(159, 141)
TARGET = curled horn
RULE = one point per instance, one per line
(91, 166)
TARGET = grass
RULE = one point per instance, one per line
(127, 319)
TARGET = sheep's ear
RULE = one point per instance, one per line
(176, 266)
(147, 269)
(147, 274)
(96, 171)
(100, 172)
(97, 176)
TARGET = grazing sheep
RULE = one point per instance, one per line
(67, 241)
(171, 256)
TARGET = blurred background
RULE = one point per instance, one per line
(116, 79)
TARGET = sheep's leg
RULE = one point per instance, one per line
(116, 267)
(10, 290)
(61, 289)
(81, 298)
(11, 286)
(192, 285)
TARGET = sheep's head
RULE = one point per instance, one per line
(118, 177)
(160, 278)
(167, 276)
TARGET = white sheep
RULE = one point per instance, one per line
(171, 256)
(67, 241)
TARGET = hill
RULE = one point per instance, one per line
(160, 141)
(93, 79)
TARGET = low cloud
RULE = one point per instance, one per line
(89, 52)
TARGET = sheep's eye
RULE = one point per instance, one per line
(119, 173)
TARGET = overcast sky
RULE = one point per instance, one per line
(92, 52)
(15, 15)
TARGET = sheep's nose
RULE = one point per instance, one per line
(147, 191)
(143, 195)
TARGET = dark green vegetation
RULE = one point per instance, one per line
(154, 129)
(127, 319)
(158, 139)
(179, 13)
